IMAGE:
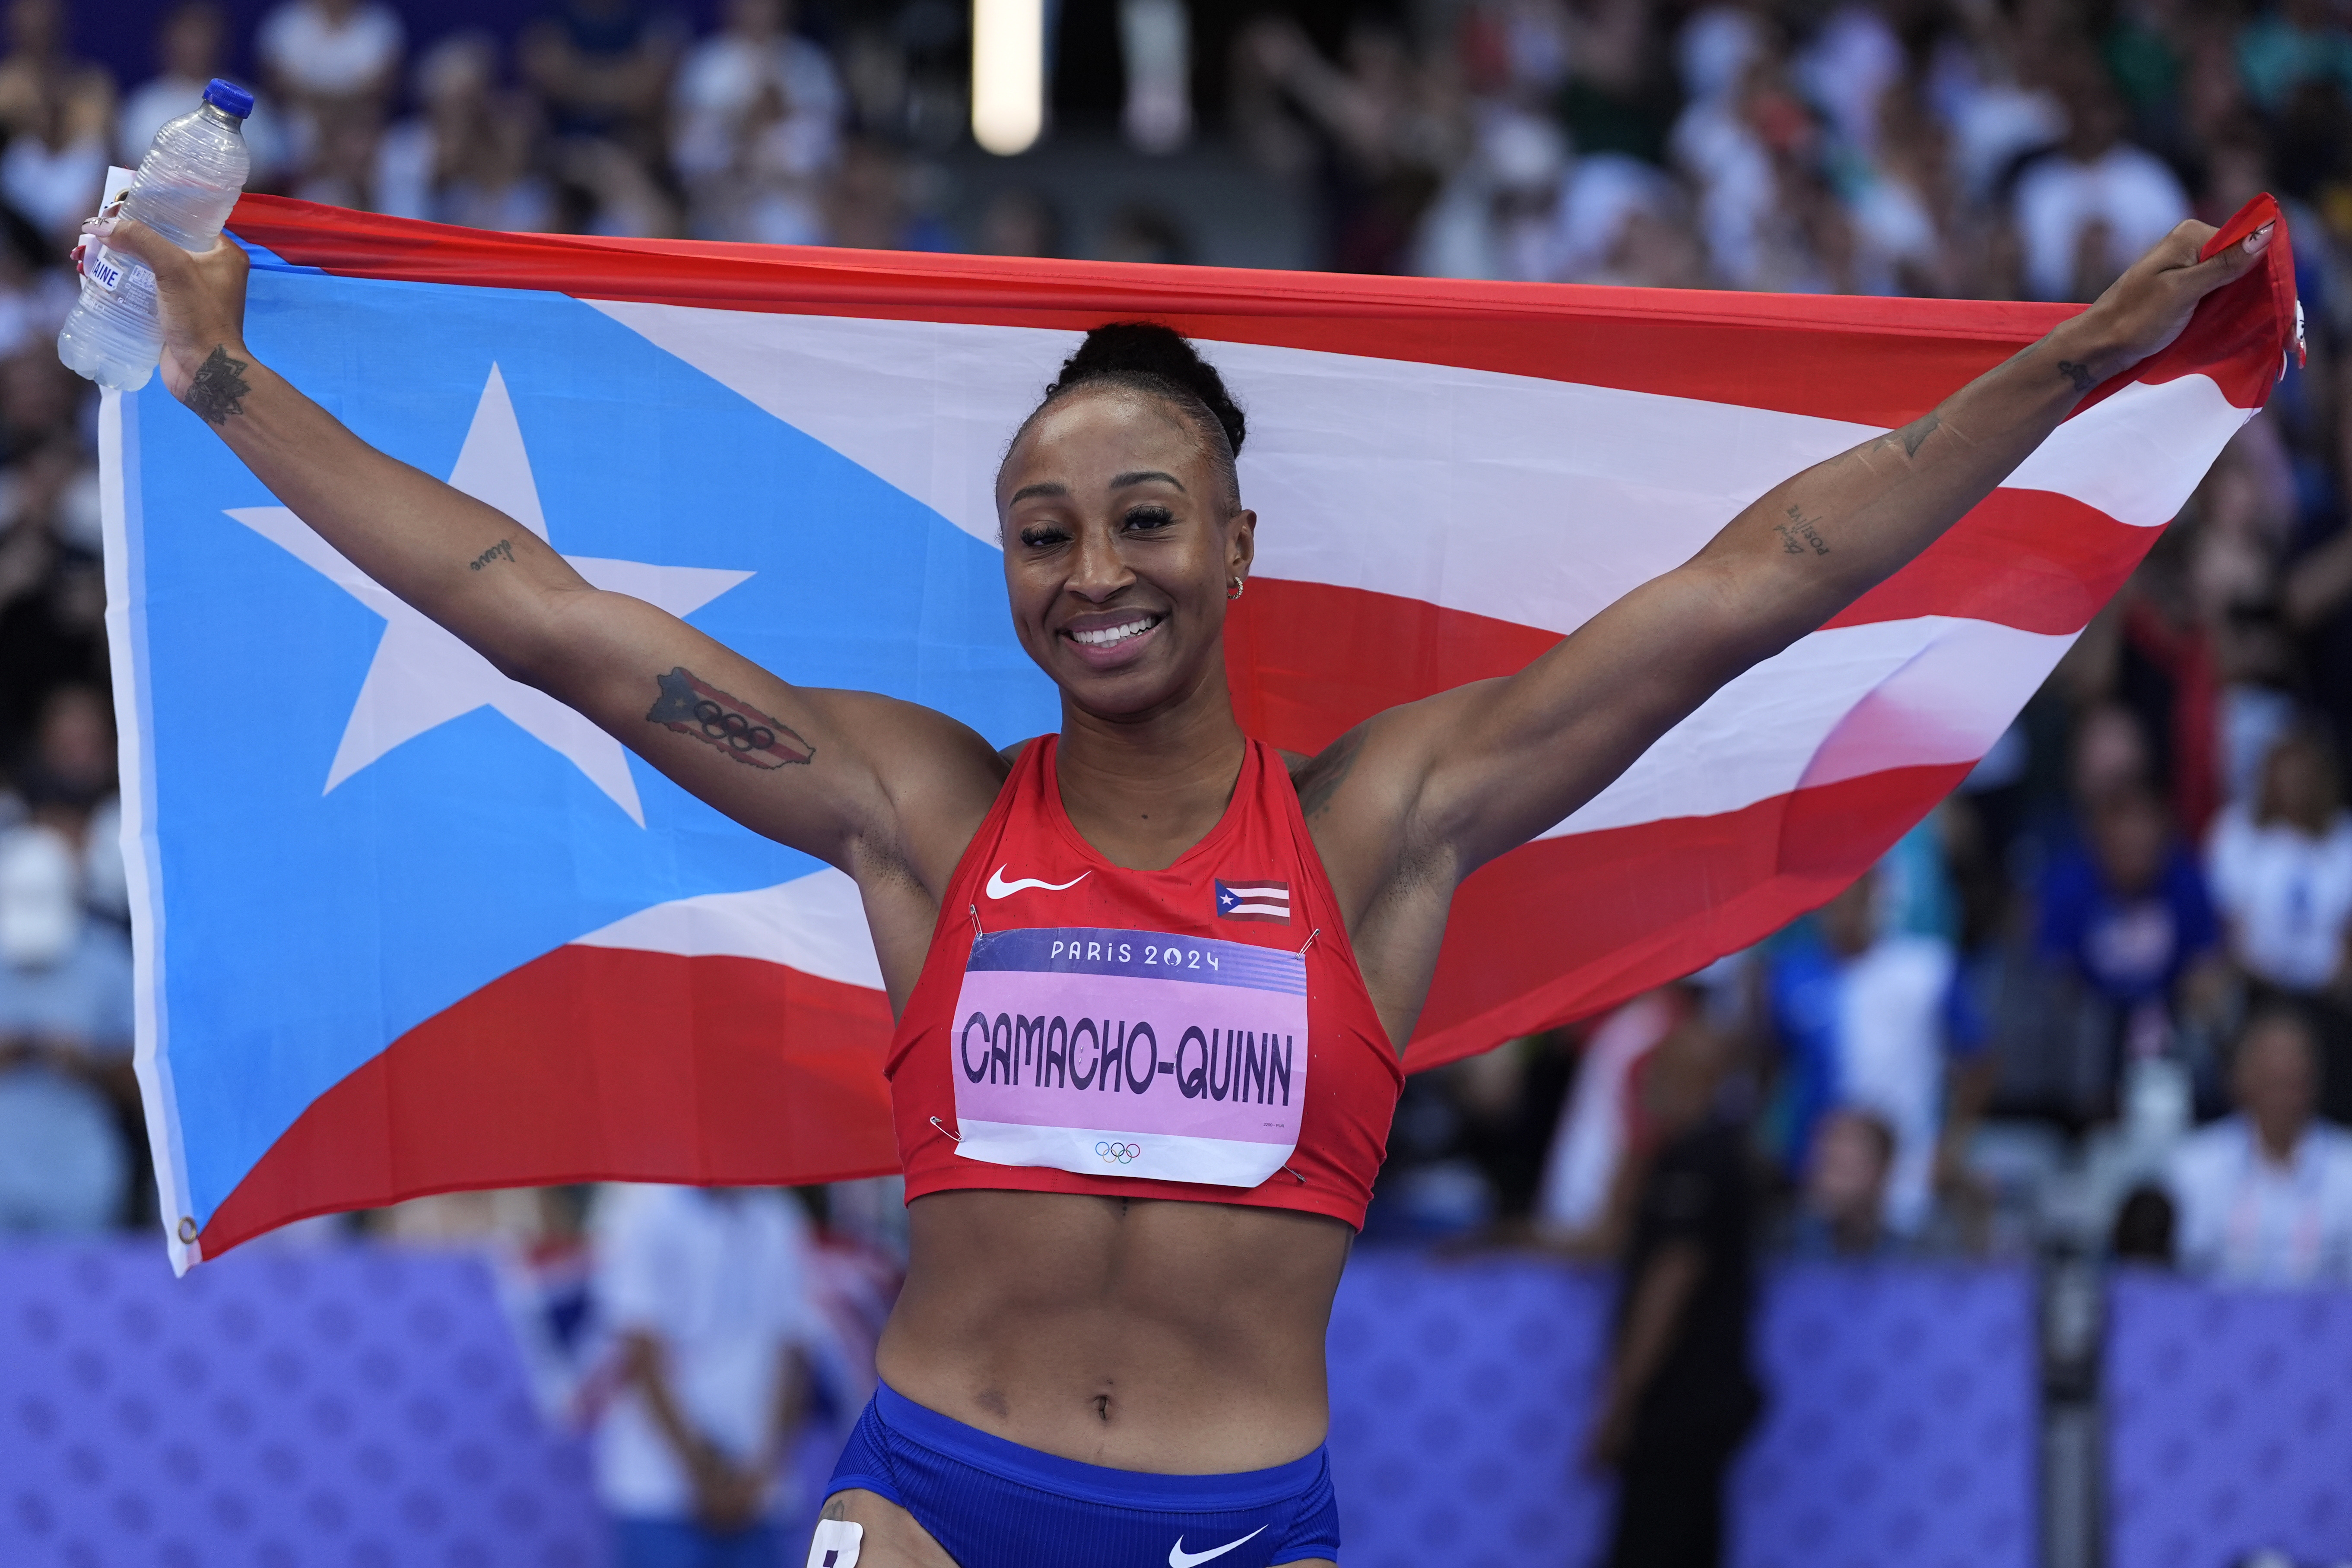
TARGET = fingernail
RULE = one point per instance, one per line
(2259, 238)
(102, 227)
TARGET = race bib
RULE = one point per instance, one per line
(1131, 1054)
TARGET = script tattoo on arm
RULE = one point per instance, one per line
(1321, 778)
(734, 726)
(503, 550)
(2079, 375)
(1798, 533)
(218, 386)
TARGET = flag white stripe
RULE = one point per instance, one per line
(1238, 890)
(816, 923)
(1513, 496)
(1281, 909)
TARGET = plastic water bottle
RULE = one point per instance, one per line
(186, 185)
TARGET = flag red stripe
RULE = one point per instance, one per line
(1562, 927)
(1877, 360)
(590, 1064)
(2028, 558)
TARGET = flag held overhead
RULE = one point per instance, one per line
(429, 929)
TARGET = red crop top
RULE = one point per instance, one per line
(1199, 1032)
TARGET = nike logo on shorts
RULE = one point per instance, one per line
(1180, 1558)
(1000, 888)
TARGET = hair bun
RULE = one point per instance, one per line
(1123, 351)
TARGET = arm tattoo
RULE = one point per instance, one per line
(504, 547)
(1321, 778)
(1799, 532)
(1915, 434)
(2079, 375)
(217, 386)
(734, 726)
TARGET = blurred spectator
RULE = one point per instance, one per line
(603, 68)
(333, 64)
(2299, 41)
(190, 50)
(2129, 917)
(1599, 1130)
(2088, 210)
(38, 74)
(1020, 221)
(52, 587)
(757, 114)
(2144, 1228)
(2264, 1195)
(1364, 125)
(2282, 872)
(1138, 233)
(1874, 1020)
(1156, 46)
(867, 206)
(1842, 1209)
(419, 159)
(59, 116)
(1679, 1396)
(66, 1087)
(707, 1291)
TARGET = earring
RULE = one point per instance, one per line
(1236, 593)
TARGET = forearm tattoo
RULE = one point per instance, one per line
(2079, 375)
(1915, 434)
(1798, 533)
(218, 387)
(734, 726)
(502, 550)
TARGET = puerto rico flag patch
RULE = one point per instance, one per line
(1254, 898)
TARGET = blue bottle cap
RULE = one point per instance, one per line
(228, 97)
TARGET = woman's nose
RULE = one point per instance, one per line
(1099, 572)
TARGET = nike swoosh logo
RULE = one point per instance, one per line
(1000, 888)
(1180, 1558)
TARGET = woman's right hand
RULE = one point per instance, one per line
(202, 295)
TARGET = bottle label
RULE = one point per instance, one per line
(103, 267)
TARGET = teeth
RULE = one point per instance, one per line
(1103, 637)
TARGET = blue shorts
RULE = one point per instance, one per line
(990, 1504)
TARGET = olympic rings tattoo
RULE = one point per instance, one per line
(711, 716)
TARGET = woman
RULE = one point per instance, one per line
(1075, 1372)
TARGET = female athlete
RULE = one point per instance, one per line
(1152, 976)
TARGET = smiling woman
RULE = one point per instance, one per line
(1076, 1373)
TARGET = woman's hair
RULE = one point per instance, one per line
(1146, 357)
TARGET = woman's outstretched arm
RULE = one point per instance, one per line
(847, 776)
(1424, 794)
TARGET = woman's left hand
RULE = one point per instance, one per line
(2144, 309)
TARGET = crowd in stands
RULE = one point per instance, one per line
(2103, 993)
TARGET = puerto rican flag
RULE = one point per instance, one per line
(1254, 898)
(404, 927)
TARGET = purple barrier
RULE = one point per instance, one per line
(2228, 1424)
(366, 1406)
(273, 1410)
(1901, 1428)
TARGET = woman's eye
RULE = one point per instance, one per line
(1039, 537)
(1150, 517)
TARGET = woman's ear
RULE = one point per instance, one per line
(1241, 547)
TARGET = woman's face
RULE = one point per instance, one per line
(1120, 549)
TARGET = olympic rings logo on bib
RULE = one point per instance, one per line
(1119, 1154)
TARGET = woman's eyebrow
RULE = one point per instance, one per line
(1142, 475)
(1044, 488)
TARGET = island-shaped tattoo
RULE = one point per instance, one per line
(733, 726)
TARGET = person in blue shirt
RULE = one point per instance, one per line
(1876, 1022)
(2128, 916)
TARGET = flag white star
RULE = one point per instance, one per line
(423, 677)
